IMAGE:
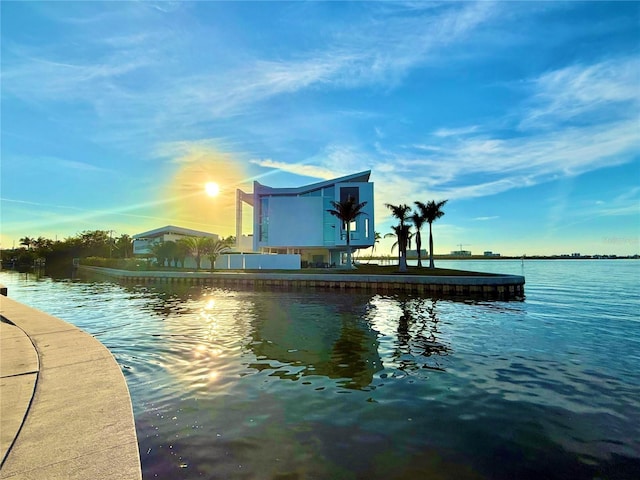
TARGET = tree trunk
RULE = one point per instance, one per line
(431, 265)
(403, 264)
(402, 259)
(349, 265)
(418, 247)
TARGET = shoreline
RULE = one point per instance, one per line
(494, 286)
(66, 408)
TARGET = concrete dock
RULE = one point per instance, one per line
(495, 286)
(65, 408)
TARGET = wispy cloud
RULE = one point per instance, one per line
(575, 119)
(193, 151)
(427, 148)
(80, 166)
(47, 215)
(350, 60)
(455, 132)
(346, 60)
(468, 162)
(165, 6)
(302, 169)
(586, 118)
(585, 93)
(626, 204)
(481, 166)
(57, 165)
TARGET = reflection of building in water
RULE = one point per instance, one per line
(417, 344)
(331, 337)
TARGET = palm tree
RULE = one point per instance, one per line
(403, 233)
(27, 242)
(42, 245)
(155, 249)
(170, 249)
(214, 247)
(347, 211)
(163, 251)
(418, 220)
(388, 235)
(196, 247)
(401, 212)
(182, 251)
(376, 240)
(431, 212)
(124, 246)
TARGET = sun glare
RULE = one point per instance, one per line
(190, 187)
(212, 189)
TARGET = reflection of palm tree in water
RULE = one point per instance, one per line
(417, 341)
(353, 357)
(316, 336)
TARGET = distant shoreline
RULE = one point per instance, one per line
(505, 257)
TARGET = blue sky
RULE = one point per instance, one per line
(524, 115)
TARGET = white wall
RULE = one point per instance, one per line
(250, 261)
(174, 237)
(298, 222)
(258, 262)
(245, 243)
(143, 246)
(295, 221)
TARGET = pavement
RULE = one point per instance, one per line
(65, 409)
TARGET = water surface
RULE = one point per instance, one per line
(312, 384)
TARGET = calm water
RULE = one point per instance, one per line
(233, 384)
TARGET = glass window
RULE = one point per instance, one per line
(350, 192)
(264, 219)
(329, 192)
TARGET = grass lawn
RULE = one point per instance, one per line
(363, 269)
(377, 270)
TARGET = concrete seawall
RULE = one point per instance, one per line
(65, 407)
(501, 287)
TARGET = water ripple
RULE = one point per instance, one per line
(276, 384)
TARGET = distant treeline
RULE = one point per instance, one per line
(60, 253)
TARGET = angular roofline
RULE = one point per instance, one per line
(360, 177)
(172, 228)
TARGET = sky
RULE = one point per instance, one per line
(525, 116)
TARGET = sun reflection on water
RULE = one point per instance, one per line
(301, 384)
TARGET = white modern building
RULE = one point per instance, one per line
(296, 220)
(142, 242)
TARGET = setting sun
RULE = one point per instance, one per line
(212, 189)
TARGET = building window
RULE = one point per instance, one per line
(350, 192)
(366, 227)
(264, 219)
